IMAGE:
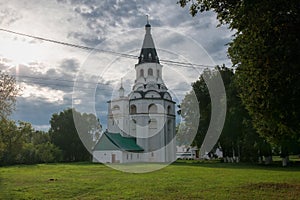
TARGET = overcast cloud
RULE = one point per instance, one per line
(47, 71)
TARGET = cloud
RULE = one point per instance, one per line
(48, 71)
(8, 15)
(36, 110)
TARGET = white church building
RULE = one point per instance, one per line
(141, 125)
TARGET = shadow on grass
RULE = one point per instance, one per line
(275, 166)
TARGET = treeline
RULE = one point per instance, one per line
(21, 144)
(265, 53)
(239, 140)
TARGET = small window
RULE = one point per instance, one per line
(150, 72)
(152, 108)
(132, 109)
(158, 75)
(141, 73)
(169, 110)
(131, 156)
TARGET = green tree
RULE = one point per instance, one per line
(11, 142)
(21, 144)
(69, 137)
(196, 111)
(48, 152)
(37, 148)
(238, 138)
(266, 52)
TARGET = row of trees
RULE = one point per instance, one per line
(265, 53)
(239, 139)
(21, 144)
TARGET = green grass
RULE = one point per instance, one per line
(181, 180)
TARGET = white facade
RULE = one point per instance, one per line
(147, 113)
(117, 156)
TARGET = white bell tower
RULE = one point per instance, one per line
(151, 108)
(148, 112)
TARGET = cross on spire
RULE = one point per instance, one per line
(147, 19)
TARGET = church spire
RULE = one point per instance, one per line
(148, 53)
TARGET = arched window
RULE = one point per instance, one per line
(132, 109)
(141, 73)
(169, 110)
(152, 108)
(150, 72)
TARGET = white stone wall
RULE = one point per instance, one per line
(107, 156)
(118, 119)
(146, 78)
(131, 157)
(124, 157)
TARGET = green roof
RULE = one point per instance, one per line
(115, 141)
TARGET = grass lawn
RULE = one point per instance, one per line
(181, 180)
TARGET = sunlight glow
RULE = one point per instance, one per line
(22, 51)
(52, 96)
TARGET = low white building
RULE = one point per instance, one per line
(186, 152)
(114, 148)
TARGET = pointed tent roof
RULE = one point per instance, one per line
(148, 53)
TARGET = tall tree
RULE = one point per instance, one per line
(238, 138)
(8, 92)
(11, 142)
(73, 138)
(196, 110)
(266, 52)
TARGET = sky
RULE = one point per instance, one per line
(54, 77)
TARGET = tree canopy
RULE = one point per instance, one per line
(266, 54)
(74, 133)
(238, 138)
(21, 144)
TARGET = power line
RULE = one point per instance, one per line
(56, 79)
(62, 85)
(176, 63)
(68, 44)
